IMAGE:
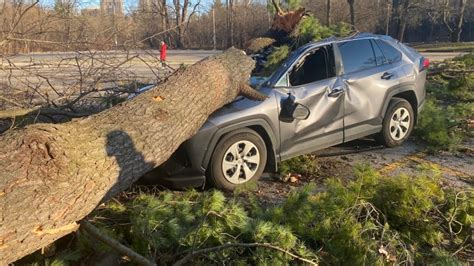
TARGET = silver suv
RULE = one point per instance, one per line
(326, 93)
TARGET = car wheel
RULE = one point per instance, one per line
(240, 156)
(397, 123)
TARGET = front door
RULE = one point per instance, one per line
(312, 83)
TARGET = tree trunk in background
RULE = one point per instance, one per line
(403, 20)
(230, 23)
(328, 12)
(164, 19)
(352, 11)
(387, 18)
(456, 34)
(53, 175)
(178, 21)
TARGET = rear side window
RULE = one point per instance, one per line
(357, 55)
(391, 54)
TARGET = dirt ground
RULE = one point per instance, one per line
(456, 169)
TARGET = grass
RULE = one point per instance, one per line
(444, 47)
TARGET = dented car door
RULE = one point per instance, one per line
(322, 126)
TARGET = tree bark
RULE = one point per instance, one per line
(387, 17)
(352, 11)
(230, 23)
(328, 12)
(53, 175)
(456, 34)
(403, 20)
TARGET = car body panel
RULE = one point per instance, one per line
(364, 98)
(323, 127)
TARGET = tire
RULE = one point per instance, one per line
(228, 158)
(397, 124)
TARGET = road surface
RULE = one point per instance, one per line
(59, 74)
(175, 57)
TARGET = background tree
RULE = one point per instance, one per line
(328, 12)
(352, 11)
(453, 18)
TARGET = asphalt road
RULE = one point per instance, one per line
(175, 57)
(55, 74)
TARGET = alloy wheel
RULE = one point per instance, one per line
(400, 123)
(240, 162)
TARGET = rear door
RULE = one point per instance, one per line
(367, 76)
(311, 82)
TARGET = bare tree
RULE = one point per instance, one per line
(328, 12)
(182, 18)
(457, 19)
(230, 22)
(352, 11)
(387, 17)
(403, 14)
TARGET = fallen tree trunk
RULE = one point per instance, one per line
(52, 176)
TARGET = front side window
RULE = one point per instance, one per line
(357, 55)
(316, 65)
(391, 54)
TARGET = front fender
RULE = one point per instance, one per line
(270, 139)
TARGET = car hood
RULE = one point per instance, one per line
(240, 109)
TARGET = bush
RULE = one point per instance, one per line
(443, 123)
(276, 58)
(304, 165)
(467, 59)
(434, 126)
(371, 220)
(375, 219)
(174, 223)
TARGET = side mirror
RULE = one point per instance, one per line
(301, 112)
(290, 110)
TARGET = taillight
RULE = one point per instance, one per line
(424, 63)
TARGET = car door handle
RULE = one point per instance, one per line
(386, 76)
(335, 92)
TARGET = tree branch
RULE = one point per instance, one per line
(97, 234)
(277, 6)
